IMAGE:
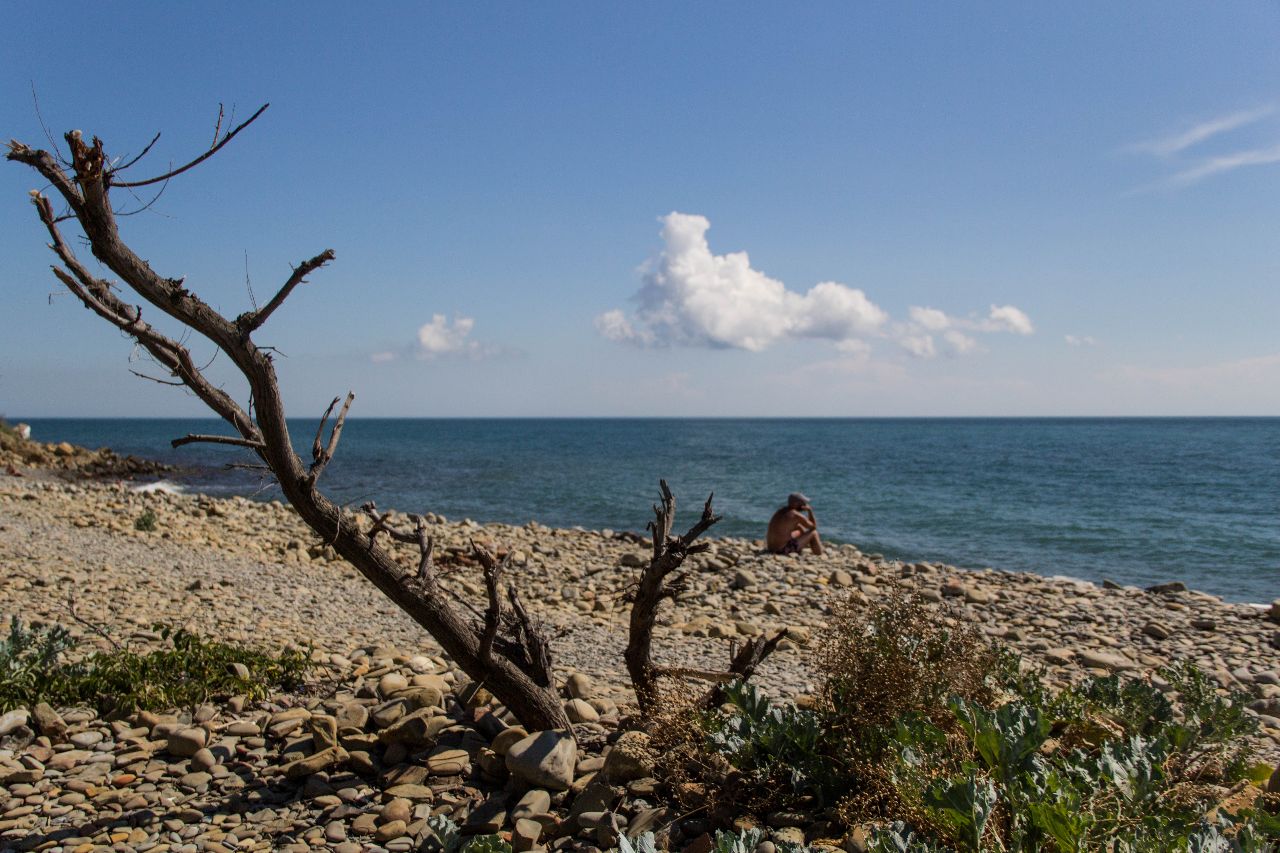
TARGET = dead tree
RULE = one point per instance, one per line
(662, 579)
(504, 649)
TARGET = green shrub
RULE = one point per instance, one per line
(780, 750)
(190, 670)
(940, 742)
(145, 522)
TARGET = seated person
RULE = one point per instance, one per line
(793, 527)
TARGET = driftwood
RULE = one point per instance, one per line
(662, 579)
(504, 649)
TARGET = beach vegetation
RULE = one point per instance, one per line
(146, 522)
(930, 739)
(41, 664)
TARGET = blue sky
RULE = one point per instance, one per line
(939, 209)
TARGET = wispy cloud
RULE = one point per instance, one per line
(1080, 341)
(1171, 149)
(1225, 163)
(693, 297)
(1263, 369)
(1170, 145)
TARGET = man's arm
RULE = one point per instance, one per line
(805, 523)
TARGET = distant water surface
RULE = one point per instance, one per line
(1135, 500)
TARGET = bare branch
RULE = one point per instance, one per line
(217, 126)
(92, 626)
(426, 547)
(323, 457)
(744, 664)
(669, 554)
(217, 439)
(517, 671)
(251, 320)
(142, 154)
(97, 296)
(155, 379)
(531, 641)
(493, 614)
(197, 161)
(691, 672)
(316, 446)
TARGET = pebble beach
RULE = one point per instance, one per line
(220, 777)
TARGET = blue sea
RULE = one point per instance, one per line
(1138, 501)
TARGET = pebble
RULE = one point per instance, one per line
(544, 759)
(163, 771)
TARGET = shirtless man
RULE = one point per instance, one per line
(793, 527)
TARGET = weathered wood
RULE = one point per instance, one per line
(86, 191)
(669, 554)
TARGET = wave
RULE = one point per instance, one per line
(161, 486)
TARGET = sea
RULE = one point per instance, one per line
(1133, 500)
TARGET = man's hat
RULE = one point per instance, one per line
(797, 499)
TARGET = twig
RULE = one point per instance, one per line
(205, 156)
(218, 439)
(97, 629)
(323, 457)
(153, 141)
(251, 320)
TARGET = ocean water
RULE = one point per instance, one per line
(1138, 501)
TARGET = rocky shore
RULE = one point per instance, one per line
(361, 765)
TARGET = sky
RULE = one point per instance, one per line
(670, 209)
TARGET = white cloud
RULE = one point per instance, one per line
(960, 343)
(382, 357)
(1193, 171)
(1225, 163)
(615, 326)
(929, 318)
(1203, 131)
(693, 297)
(920, 346)
(444, 337)
(1006, 318)
(439, 336)
(1080, 341)
(916, 336)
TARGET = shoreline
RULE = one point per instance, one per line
(1010, 498)
(251, 571)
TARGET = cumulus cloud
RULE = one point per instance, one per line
(1006, 318)
(930, 319)
(693, 297)
(959, 342)
(440, 338)
(918, 335)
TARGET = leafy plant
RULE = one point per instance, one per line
(938, 750)
(191, 669)
(645, 842)
(28, 660)
(964, 805)
(145, 522)
(779, 747)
